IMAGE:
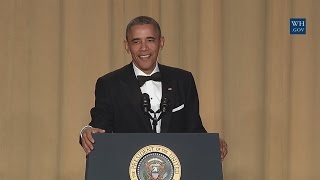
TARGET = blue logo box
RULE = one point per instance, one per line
(298, 26)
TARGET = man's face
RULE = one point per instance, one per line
(143, 44)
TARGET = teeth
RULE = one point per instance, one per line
(145, 56)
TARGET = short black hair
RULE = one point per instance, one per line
(141, 20)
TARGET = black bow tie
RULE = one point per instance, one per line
(154, 77)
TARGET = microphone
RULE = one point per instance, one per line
(146, 106)
(146, 102)
(164, 105)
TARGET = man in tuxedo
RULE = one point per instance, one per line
(145, 96)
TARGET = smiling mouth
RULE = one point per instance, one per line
(144, 56)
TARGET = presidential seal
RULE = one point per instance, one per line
(155, 162)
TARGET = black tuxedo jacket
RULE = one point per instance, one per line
(118, 103)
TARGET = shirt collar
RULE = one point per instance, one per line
(138, 72)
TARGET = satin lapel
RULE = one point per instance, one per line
(132, 89)
(168, 89)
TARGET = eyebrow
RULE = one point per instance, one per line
(137, 39)
(151, 37)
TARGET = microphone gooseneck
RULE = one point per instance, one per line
(146, 106)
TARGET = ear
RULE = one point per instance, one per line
(162, 42)
(126, 46)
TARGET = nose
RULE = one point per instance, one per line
(144, 46)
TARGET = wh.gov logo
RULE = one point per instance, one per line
(298, 26)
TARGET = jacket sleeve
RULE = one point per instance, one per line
(102, 114)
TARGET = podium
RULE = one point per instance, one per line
(144, 156)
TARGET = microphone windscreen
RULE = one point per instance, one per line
(164, 105)
(146, 102)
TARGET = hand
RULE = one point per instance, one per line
(223, 149)
(87, 140)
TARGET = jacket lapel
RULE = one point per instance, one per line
(168, 89)
(131, 87)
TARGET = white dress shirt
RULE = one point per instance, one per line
(154, 90)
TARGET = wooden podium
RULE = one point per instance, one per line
(148, 156)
